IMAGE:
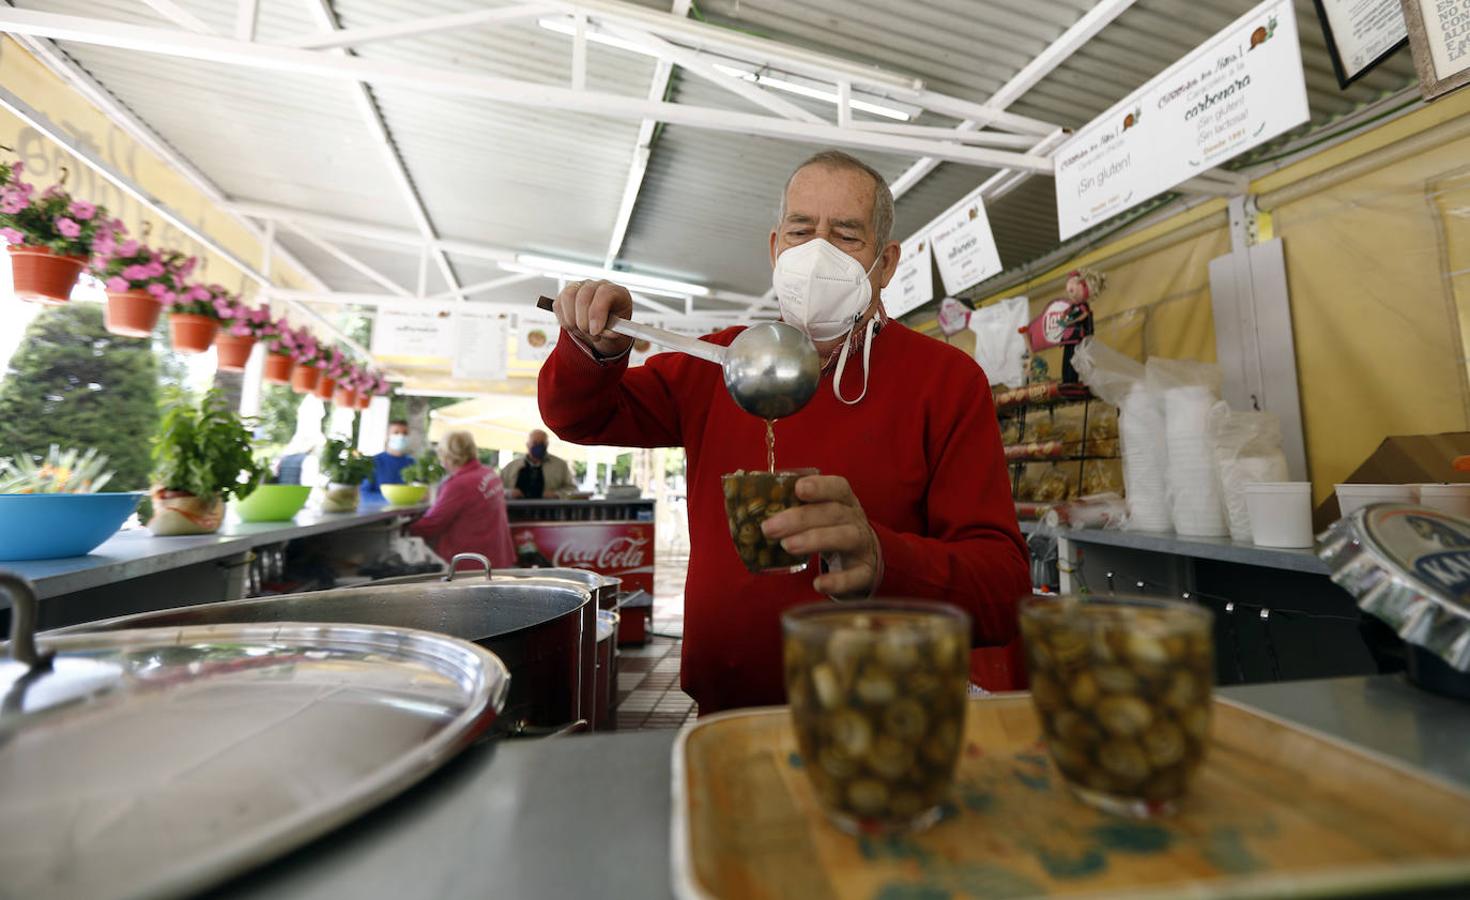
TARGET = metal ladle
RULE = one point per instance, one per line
(771, 369)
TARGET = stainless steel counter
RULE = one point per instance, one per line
(589, 816)
(136, 552)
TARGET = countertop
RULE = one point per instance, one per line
(1218, 549)
(136, 552)
(589, 816)
(524, 503)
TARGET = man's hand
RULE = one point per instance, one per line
(830, 521)
(582, 309)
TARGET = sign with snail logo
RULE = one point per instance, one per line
(913, 282)
(964, 248)
(1237, 90)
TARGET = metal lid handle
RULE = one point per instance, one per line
(472, 557)
(24, 611)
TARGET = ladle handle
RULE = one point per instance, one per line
(684, 344)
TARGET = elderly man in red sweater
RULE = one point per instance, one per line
(913, 500)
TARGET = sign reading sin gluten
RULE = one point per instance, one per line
(1240, 88)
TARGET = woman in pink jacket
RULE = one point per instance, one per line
(469, 514)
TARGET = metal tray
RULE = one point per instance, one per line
(160, 762)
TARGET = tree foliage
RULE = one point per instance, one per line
(71, 383)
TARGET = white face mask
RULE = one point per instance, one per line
(824, 292)
(398, 442)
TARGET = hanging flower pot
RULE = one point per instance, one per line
(324, 386)
(234, 351)
(345, 397)
(278, 368)
(179, 512)
(364, 400)
(304, 378)
(43, 276)
(191, 333)
(131, 313)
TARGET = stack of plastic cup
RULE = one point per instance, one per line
(1195, 503)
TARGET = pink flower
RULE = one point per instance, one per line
(156, 289)
(12, 201)
(187, 267)
(12, 236)
(153, 269)
(17, 167)
(128, 248)
(198, 292)
(81, 209)
(117, 284)
(240, 329)
(103, 244)
(67, 227)
(136, 272)
(53, 192)
(224, 309)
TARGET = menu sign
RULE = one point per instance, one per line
(536, 339)
(1239, 89)
(1360, 33)
(913, 282)
(479, 345)
(963, 245)
(418, 332)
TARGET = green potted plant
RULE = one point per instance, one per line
(49, 236)
(201, 456)
(345, 469)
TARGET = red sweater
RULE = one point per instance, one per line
(922, 452)
(469, 516)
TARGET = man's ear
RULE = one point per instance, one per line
(774, 254)
(891, 253)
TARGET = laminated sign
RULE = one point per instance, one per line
(1239, 89)
(913, 282)
(418, 332)
(480, 341)
(964, 248)
(535, 340)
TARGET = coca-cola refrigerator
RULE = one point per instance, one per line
(621, 549)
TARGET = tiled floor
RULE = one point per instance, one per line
(648, 676)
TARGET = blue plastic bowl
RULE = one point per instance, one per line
(54, 526)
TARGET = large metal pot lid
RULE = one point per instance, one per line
(159, 762)
(1410, 567)
(583, 577)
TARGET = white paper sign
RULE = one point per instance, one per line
(480, 340)
(1364, 30)
(964, 248)
(1242, 87)
(1447, 31)
(425, 332)
(913, 282)
(536, 339)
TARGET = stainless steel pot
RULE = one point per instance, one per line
(541, 628)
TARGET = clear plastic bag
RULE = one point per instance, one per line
(1247, 451)
(1186, 392)
(1122, 381)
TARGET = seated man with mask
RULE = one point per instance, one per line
(538, 475)
(913, 499)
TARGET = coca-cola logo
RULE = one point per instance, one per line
(619, 553)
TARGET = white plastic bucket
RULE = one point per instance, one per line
(1281, 513)
(1353, 497)
(1450, 498)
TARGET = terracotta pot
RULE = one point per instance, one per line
(278, 368)
(175, 512)
(131, 313)
(340, 498)
(304, 378)
(345, 397)
(324, 386)
(43, 276)
(364, 400)
(234, 351)
(191, 333)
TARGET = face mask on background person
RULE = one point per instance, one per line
(398, 443)
(824, 292)
(538, 451)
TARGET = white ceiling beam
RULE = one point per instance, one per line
(367, 107)
(356, 37)
(1042, 65)
(179, 16)
(393, 301)
(481, 287)
(642, 300)
(642, 150)
(93, 161)
(246, 15)
(347, 259)
(698, 65)
(379, 234)
(579, 52)
(978, 138)
(506, 90)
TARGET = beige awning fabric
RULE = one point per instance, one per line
(502, 422)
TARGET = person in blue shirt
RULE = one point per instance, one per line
(388, 466)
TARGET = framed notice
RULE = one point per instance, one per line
(1361, 34)
(1235, 91)
(1439, 36)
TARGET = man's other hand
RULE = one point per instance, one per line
(583, 308)
(830, 521)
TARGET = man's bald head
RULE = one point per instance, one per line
(882, 196)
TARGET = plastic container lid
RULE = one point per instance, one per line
(1279, 487)
(1409, 566)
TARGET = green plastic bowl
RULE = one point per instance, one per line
(271, 503)
(405, 494)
